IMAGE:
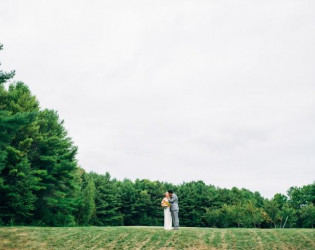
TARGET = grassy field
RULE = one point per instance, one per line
(154, 238)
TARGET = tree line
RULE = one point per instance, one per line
(42, 184)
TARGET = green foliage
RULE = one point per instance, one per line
(39, 178)
(87, 205)
(128, 196)
(107, 201)
(195, 198)
(308, 215)
(200, 205)
(54, 155)
(19, 181)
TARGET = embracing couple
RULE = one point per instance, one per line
(170, 204)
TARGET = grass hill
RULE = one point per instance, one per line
(154, 238)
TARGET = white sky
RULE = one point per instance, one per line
(219, 91)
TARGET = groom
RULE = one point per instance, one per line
(174, 208)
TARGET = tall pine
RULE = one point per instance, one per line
(39, 178)
(107, 201)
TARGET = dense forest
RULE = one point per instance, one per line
(42, 184)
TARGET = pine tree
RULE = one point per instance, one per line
(87, 204)
(107, 201)
(127, 193)
(18, 181)
(54, 154)
(38, 169)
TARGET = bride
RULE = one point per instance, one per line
(167, 212)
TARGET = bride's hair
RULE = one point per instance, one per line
(166, 194)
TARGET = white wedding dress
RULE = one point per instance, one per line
(167, 219)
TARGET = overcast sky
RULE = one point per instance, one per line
(219, 91)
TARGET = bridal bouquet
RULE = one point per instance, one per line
(165, 204)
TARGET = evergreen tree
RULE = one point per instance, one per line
(38, 169)
(128, 201)
(87, 205)
(54, 154)
(107, 201)
(18, 181)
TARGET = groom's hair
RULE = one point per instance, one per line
(170, 191)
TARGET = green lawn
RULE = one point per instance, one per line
(154, 238)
